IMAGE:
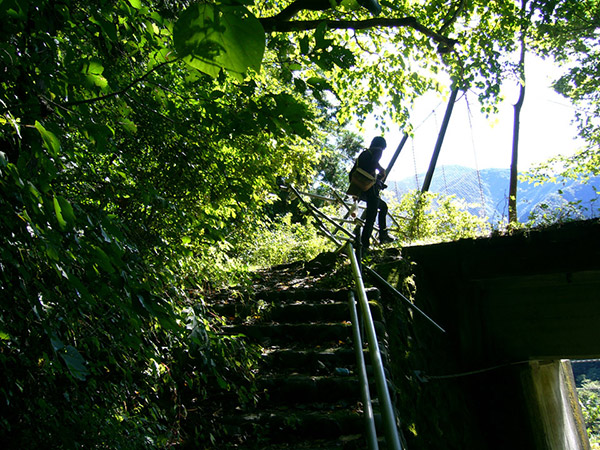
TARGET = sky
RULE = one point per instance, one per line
(480, 143)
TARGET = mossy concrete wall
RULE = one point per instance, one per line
(513, 307)
(554, 409)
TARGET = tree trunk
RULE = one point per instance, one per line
(512, 193)
(440, 139)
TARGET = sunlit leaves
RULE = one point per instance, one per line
(210, 38)
(93, 70)
(64, 212)
(51, 142)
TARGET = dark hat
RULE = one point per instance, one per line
(378, 142)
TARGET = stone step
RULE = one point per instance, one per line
(313, 361)
(304, 294)
(308, 312)
(310, 295)
(295, 389)
(314, 333)
(230, 306)
(300, 429)
(289, 312)
(298, 312)
(309, 392)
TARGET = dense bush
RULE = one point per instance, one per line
(589, 398)
(429, 217)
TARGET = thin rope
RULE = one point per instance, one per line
(445, 182)
(428, 116)
(469, 115)
(472, 372)
(412, 142)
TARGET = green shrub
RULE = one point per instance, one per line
(283, 241)
(428, 217)
(589, 398)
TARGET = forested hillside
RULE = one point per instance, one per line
(489, 187)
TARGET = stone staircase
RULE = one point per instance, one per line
(309, 391)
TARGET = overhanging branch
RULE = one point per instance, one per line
(272, 24)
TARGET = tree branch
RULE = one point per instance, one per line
(452, 18)
(66, 105)
(120, 91)
(273, 24)
(295, 7)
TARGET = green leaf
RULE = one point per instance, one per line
(93, 71)
(210, 38)
(129, 126)
(57, 344)
(304, 47)
(320, 41)
(66, 210)
(103, 260)
(51, 142)
(59, 215)
(75, 362)
(4, 336)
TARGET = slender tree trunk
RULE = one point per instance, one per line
(512, 193)
(440, 139)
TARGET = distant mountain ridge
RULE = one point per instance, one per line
(490, 188)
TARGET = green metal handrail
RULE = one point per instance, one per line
(371, 432)
(387, 412)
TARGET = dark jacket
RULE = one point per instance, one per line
(368, 160)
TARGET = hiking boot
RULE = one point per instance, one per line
(385, 238)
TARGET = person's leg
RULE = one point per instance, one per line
(384, 237)
(370, 214)
(382, 220)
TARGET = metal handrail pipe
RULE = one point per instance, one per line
(316, 196)
(330, 220)
(319, 222)
(350, 221)
(371, 432)
(316, 214)
(402, 297)
(338, 198)
(389, 418)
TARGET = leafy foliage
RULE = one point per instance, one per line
(567, 31)
(284, 241)
(430, 217)
(589, 399)
(337, 159)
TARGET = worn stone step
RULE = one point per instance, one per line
(312, 295)
(305, 389)
(303, 428)
(304, 294)
(298, 312)
(346, 442)
(317, 333)
(309, 312)
(313, 361)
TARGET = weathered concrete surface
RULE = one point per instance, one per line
(529, 296)
(513, 307)
(555, 412)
